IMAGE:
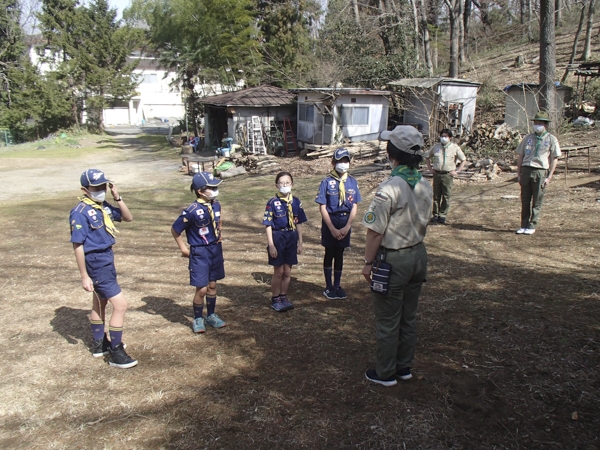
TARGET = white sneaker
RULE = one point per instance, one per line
(529, 231)
(521, 230)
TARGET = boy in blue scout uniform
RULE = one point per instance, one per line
(93, 235)
(283, 219)
(338, 198)
(201, 222)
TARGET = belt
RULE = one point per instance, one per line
(340, 214)
(99, 251)
(403, 248)
(442, 172)
(206, 245)
(285, 229)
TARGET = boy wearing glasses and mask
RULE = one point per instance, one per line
(338, 198)
(93, 235)
(201, 222)
(283, 219)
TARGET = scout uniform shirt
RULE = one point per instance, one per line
(444, 158)
(276, 214)
(536, 150)
(400, 213)
(329, 195)
(88, 227)
(201, 227)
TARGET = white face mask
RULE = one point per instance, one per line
(342, 167)
(539, 129)
(98, 197)
(444, 140)
(211, 194)
(285, 190)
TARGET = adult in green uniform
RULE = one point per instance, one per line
(397, 220)
(445, 155)
(538, 155)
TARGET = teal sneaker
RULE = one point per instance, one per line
(198, 325)
(214, 321)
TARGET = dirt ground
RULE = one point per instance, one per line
(508, 329)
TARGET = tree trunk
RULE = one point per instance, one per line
(467, 26)
(587, 48)
(529, 18)
(416, 25)
(426, 38)
(455, 11)
(548, 61)
(574, 51)
(461, 35)
(558, 12)
(356, 14)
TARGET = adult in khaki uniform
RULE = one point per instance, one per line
(444, 154)
(397, 220)
(538, 155)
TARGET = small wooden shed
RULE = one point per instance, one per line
(433, 104)
(522, 102)
(327, 115)
(230, 112)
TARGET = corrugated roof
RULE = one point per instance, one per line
(430, 82)
(347, 91)
(259, 96)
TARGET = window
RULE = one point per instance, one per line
(355, 115)
(150, 78)
(306, 113)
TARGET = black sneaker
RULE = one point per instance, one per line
(442, 220)
(372, 376)
(434, 219)
(121, 359)
(330, 293)
(404, 374)
(100, 347)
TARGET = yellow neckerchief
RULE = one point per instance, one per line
(288, 199)
(108, 223)
(341, 181)
(208, 204)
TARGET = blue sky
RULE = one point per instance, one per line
(120, 5)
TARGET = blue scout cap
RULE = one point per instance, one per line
(341, 153)
(93, 177)
(204, 179)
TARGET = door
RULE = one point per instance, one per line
(327, 128)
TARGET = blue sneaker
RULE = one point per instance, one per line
(372, 376)
(340, 293)
(330, 293)
(198, 325)
(214, 321)
(287, 305)
(404, 374)
(278, 305)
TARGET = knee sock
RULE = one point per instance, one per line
(198, 310)
(211, 303)
(97, 329)
(337, 278)
(116, 336)
(327, 272)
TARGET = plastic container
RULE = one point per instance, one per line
(225, 152)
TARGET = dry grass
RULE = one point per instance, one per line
(507, 349)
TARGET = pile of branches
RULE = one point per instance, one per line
(257, 164)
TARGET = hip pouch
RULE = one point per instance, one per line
(380, 276)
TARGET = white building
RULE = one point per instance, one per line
(327, 115)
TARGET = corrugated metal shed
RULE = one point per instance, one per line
(428, 83)
(259, 96)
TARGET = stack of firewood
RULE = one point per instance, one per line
(484, 138)
(257, 164)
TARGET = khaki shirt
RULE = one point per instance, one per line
(400, 213)
(445, 158)
(548, 146)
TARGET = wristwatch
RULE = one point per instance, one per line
(120, 199)
(367, 263)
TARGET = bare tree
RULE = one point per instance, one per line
(547, 60)
(558, 12)
(426, 38)
(587, 47)
(416, 30)
(575, 41)
(455, 10)
(356, 13)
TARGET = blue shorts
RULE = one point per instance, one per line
(101, 269)
(286, 243)
(206, 264)
(338, 221)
